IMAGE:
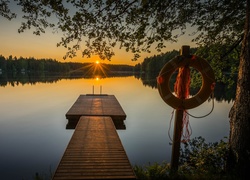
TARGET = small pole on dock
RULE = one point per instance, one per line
(100, 89)
(178, 127)
(93, 89)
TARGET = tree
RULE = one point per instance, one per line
(239, 114)
(139, 25)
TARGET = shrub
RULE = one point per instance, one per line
(198, 160)
(155, 171)
(203, 159)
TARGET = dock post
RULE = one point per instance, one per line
(178, 127)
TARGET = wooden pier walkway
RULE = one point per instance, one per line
(95, 150)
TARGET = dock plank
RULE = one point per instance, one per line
(95, 151)
(96, 105)
(102, 105)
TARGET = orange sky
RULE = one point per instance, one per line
(28, 45)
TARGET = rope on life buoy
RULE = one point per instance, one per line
(197, 117)
(208, 82)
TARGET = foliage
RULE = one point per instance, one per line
(96, 27)
(154, 171)
(224, 60)
(199, 160)
(203, 159)
(5, 10)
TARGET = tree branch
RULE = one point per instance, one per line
(235, 44)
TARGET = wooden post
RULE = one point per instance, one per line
(178, 127)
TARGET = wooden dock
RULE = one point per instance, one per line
(95, 150)
(96, 105)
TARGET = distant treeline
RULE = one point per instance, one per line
(221, 58)
(155, 63)
(18, 65)
(24, 65)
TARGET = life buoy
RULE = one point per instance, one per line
(208, 82)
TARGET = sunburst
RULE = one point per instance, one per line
(96, 69)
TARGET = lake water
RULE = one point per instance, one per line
(33, 132)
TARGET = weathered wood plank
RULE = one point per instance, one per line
(94, 152)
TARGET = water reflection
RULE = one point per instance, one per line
(222, 92)
(33, 78)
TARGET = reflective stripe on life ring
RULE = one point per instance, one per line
(208, 82)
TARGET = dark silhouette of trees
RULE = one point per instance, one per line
(24, 65)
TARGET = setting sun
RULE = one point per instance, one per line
(97, 62)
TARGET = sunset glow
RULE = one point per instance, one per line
(28, 45)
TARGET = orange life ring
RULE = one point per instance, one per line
(208, 82)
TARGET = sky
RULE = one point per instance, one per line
(27, 44)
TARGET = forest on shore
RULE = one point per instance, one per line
(30, 65)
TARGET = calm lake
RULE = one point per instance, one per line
(33, 132)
